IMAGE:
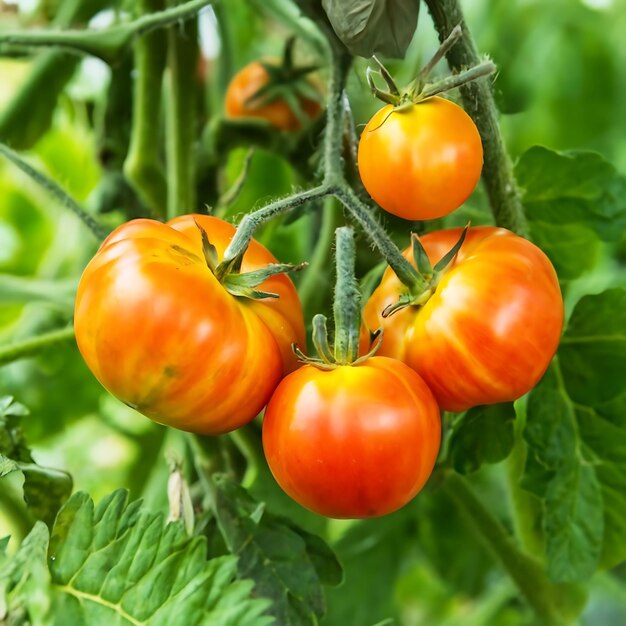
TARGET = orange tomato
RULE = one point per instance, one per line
(491, 327)
(355, 441)
(420, 162)
(246, 83)
(163, 335)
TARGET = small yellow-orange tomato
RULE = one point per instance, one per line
(420, 162)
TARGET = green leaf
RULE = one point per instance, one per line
(45, 489)
(368, 27)
(565, 188)
(572, 248)
(576, 436)
(288, 565)
(115, 563)
(485, 434)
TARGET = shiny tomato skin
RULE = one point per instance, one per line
(352, 442)
(161, 333)
(490, 330)
(278, 113)
(421, 162)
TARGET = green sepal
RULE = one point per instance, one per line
(422, 262)
(320, 339)
(405, 300)
(447, 258)
(243, 285)
(208, 249)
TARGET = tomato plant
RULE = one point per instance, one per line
(491, 326)
(422, 161)
(161, 333)
(355, 441)
(476, 444)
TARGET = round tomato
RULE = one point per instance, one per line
(491, 327)
(355, 441)
(242, 89)
(163, 335)
(422, 161)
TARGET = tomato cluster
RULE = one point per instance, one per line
(164, 325)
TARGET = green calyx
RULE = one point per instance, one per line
(242, 285)
(328, 358)
(431, 275)
(420, 89)
(287, 82)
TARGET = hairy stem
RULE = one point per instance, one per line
(347, 301)
(55, 191)
(181, 117)
(479, 102)
(143, 166)
(252, 221)
(363, 215)
(34, 345)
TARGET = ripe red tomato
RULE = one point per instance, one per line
(420, 162)
(163, 335)
(492, 326)
(246, 83)
(354, 441)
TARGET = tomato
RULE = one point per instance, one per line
(492, 326)
(420, 162)
(355, 441)
(163, 335)
(247, 82)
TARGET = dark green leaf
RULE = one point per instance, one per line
(485, 434)
(576, 435)
(572, 188)
(45, 489)
(572, 248)
(287, 565)
(573, 523)
(116, 563)
(368, 27)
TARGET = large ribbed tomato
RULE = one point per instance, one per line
(491, 327)
(422, 161)
(162, 334)
(354, 441)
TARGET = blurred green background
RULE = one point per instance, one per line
(561, 83)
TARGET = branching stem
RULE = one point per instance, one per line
(479, 102)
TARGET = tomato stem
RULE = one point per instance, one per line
(34, 345)
(250, 222)
(181, 117)
(142, 166)
(59, 194)
(457, 80)
(347, 298)
(498, 177)
(108, 44)
(455, 34)
(364, 216)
